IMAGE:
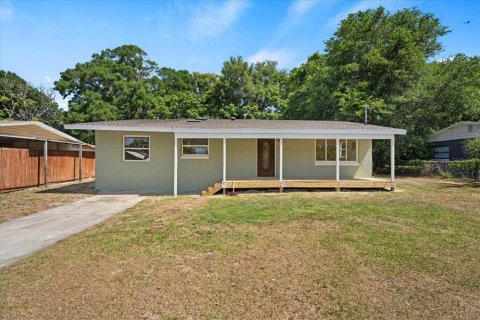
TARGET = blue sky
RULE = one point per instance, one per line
(40, 39)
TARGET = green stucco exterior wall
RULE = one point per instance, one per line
(195, 175)
(299, 162)
(114, 174)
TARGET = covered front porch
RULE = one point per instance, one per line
(298, 161)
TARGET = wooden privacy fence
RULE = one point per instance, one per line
(21, 168)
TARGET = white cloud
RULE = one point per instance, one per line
(7, 12)
(300, 7)
(49, 80)
(362, 6)
(211, 19)
(297, 13)
(284, 57)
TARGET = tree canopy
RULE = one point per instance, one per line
(20, 100)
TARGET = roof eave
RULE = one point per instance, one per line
(44, 127)
(79, 126)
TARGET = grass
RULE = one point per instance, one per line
(405, 255)
(21, 203)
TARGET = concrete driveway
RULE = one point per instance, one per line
(23, 236)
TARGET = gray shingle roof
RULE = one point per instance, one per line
(178, 124)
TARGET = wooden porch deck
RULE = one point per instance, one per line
(372, 183)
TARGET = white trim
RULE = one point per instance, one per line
(281, 160)
(392, 161)
(196, 156)
(343, 135)
(42, 126)
(49, 140)
(224, 160)
(337, 155)
(135, 136)
(334, 163)
(275, 150)
(331, 162)
(175, 165)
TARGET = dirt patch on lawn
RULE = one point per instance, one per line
(21, 203)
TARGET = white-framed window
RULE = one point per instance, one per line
(195, 148)
(136, 148)
(326, 152)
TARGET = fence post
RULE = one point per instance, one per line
(45, 163)
(2, 179)
(80, 154)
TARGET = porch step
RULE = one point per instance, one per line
(212, 189)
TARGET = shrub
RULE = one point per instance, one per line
(445, 174)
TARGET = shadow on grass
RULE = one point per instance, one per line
(461, 185)
(74, 188)
(298, 190)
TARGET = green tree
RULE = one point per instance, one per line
(248, 90)
(179, 94)
(379, 56)
(311, 89)
(472, 147)
(20, 100)
(114, 84)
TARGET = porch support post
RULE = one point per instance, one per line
(175, 164)
(224, 179)
(80, 155)
(392, 163)
(45, 163)
(337, 164)
(281, 164)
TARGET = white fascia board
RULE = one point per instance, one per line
(76, 126)
(290, 131)
(239, 133)
(49, 140)
(58, 132)
(45, 127)
(344, 135)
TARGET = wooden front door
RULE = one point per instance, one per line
(266, 157)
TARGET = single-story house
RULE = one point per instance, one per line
(449, 143)
(188, 156)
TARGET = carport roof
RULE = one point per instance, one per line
(35, 130)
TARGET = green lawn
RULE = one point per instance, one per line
(406, 255)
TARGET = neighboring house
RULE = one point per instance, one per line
(33, 153)
(188, 156)
(449, 143)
